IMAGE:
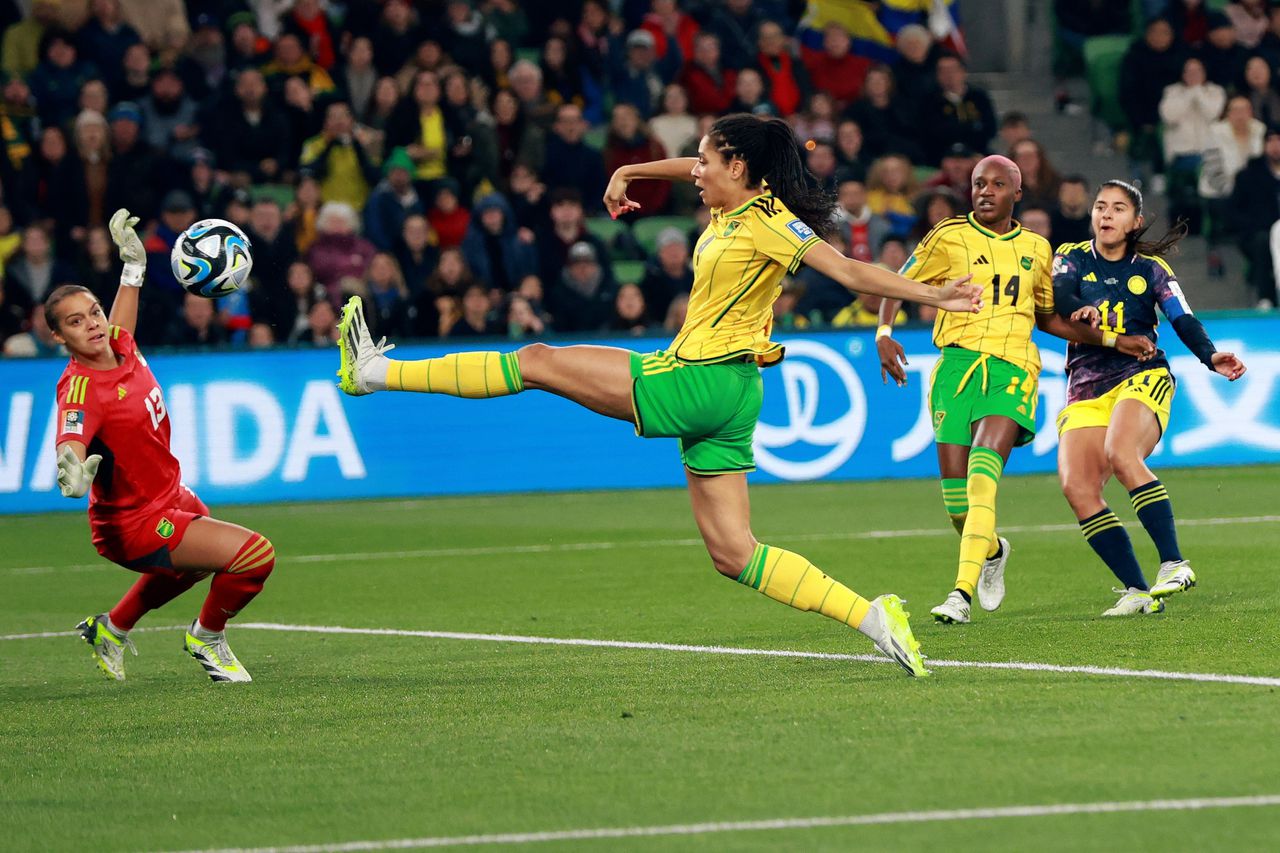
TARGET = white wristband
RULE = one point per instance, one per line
(884, 331)
(132, 275)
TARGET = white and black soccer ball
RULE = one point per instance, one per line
(212, 258)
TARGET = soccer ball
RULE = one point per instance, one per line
(211, 258)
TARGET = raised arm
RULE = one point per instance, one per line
(124, 308)
(671, 169)
(957, 295)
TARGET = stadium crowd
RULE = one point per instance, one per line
(446, 158)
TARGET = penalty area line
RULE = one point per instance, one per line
(775, 824)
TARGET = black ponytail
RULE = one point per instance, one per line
(1166, 245)
(771, 152)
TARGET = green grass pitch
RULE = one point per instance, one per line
(345, 738)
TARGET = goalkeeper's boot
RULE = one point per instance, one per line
(1134, 602)
(991, 581)
(891, 632)
(1174, 576)
(363, 365)
(216, 657)
(953, 611)
(108, 649)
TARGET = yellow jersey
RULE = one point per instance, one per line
(1014, 272)
(738, 266)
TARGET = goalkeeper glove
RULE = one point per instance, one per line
(74, 476)
(131, 250)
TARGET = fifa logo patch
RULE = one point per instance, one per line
(120, 392)
(164, 529)
(1026, 263)
(1137, 285)
(73, 422)
(798, 228)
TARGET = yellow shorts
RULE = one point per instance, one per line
(1153, 388)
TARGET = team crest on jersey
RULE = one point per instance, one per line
(1137, 285)
(121, 391)
(1026, 263)
(73, 422)
(798, 228)
(937, 420)
(165, 528)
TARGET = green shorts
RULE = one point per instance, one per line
(711, 408)
(968, 386)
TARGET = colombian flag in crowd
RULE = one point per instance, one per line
(874, 25)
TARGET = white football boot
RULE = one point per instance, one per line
(1174, 576)
(215, 656)
(953, 611)
(363, 364)
(990, 589)
(1134, 602)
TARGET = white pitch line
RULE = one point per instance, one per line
(1024, 666)
(776, 824)
(565, 547)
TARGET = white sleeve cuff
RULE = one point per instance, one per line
(132, 275)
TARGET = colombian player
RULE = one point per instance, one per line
(1118, 405)
(113, 437)
(705, 389)
(984, 389)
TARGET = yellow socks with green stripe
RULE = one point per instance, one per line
(978, 539)
(1151, 503)
(955, 497)
(794, 581)
(1107, 536)
(477, 375)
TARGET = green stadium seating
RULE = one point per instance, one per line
(1102, 58)
(533, 54)
(924, 174)
(646, 230)
(628, 272)
(608, 230)
(595, 137)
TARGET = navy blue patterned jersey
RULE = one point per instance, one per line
(1126, 293)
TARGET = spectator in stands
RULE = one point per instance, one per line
(338, 252)
(273, 245)
(50, 189)
(395, 37)
(1233, 142)
(676, 313)
(286, 313)
(785, 76)
(914, 73)
(290, 60)
(749, 95)
(93, 96)
(956, 112)
(850, 155)
(1249, 17)
(338, 160)
(1070, 219)
(709, 84)
(864, 230)
(13, 318)
(131, 174)
(301, 115)
(1254, 209)
(199, 325)
(528, 197)
(581, 300)
(418, 125)
(1224, 58)
(414, 252)
(105, 37)
(392, 201)
(1269, 47)
(499, 64)
(37, 342)
(1187, 110)
(1190, 21)
(570, 162)
(561, 75)
(933, 206)
(135, 83)
(890, 188)
(835, 69)
(955, 173)
(674, 126)
(169, 116)
(248, 47)
(820, 159)
(1040, 179)
(388, 312)
(254, 142)
(358, 77)
(884, 117)
(476, 319)
(93, 146)
(55, 83)
(668, 273)
(735, 22)
(566, 228)
(98, 268)
(34, 271)
(1014, 127)
(637, 76)
(449, 219)
(1038, 221)
(1151, 63)
(1078, 20)
(322, 325)
(1262, 96)
(463, 37)
(261, 336)
(629, 141)
(523, 321)
(666, 22)
(630, 314)
(818, 120)
(494, 252)
(20, 49)
(526, 83)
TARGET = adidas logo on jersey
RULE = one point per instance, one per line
(1090, 277)
(982, 259)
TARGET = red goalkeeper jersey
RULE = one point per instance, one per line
(120, 414)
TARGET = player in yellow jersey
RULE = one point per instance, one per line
(984, 389)
(705, 390)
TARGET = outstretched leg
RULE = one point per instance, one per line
(722, 511)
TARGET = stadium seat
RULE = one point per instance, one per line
(646, 230)
(608, 230)
(595, 137)
(533, 54)
(628, 272)
(281, 193)
(1102, 58)
(924, 174)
